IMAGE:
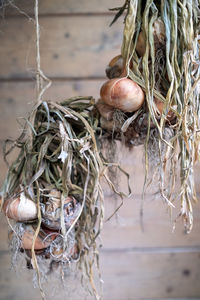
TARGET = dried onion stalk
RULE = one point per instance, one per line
(168, 70)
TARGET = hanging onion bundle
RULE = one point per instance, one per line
(53, 188)
(160, 53)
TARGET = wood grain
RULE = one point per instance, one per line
(140, 276)
(77, 43)
(126, 276)
(70, 46)
(124, 231)
(17, 98)
(63, 6)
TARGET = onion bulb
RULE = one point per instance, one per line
(42, 241)
(141, 44)
(160, 107)
(105, 110)
(20, 209)
(123, 94)
(159, 37)
(106, 124)
(159, 31)
(51, 212)
(115, 67)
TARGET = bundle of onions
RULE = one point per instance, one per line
(42, 241)
(123, 94)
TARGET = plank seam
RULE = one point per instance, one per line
(30, 79)
(188, 298)
(152, 250)
(61, 15)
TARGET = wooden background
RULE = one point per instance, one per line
(76, 45)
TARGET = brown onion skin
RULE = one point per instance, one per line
(123, 94)
(160, 106)
(118, 59)
(115, 67)
(40, 243)
(159, 37)
(141, 45)
(105, 110)
(106, 124)
(51, 217)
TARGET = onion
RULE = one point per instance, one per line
(159, 37)
(159, 31)
(20, 209)
(52, 210)
(115, 67)
(105, 110)
(106, 124)
(159, 109)
(43, 252)
(42, 241)
(123, 94)
(141, 44)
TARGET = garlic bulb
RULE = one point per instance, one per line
(20, 209)
(105, 110)
(123, 94)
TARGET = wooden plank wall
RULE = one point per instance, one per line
(76, 45)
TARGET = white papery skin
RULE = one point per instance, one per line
(20, 209)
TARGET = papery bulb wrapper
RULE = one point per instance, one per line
(160, 106)
(20, 209)
(159, 37)
(42, 241)
(123, 94)
(52, 210)
(115, 67)
(105, 110)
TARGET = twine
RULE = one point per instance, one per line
(41, 88)
(40, 76)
